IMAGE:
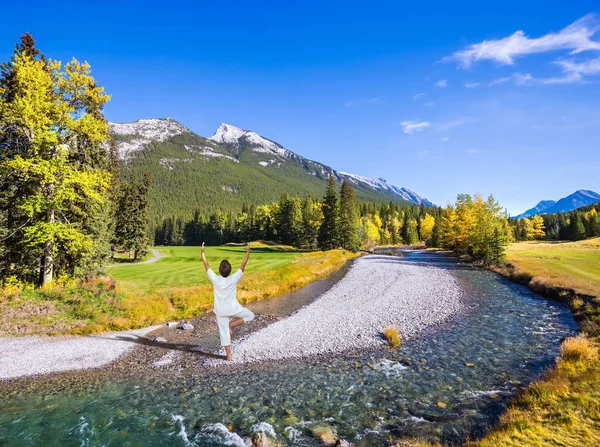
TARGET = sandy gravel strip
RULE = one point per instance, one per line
(28, 356)
(378, 292)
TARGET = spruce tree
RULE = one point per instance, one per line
(349, 220)
(576, 227)
(329, 231)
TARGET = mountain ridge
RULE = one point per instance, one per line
(578, 199)
(232, 162)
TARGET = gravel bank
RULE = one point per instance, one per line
(28, 356)
(378, 292)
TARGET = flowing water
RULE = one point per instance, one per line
(447, 385)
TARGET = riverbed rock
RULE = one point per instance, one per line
(186, 326)
(262, 440)
(324, 433)
(343, 443)
(160, 340)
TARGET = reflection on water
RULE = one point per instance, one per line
(446, 385)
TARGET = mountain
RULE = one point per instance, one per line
(576, 200)
(232, 166)
(538, 209)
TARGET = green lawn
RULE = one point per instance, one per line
(182, 266)
(575, 265)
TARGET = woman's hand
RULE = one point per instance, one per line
(202, 247)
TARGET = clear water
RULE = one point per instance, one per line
(508, 334)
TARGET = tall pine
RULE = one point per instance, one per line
(349, 220)
(329, 231)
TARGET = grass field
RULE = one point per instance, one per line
(182, 266)
(572, 265)
(175, 287)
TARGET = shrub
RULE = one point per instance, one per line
(392, 337)
(579, 349)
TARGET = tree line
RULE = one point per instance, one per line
(61, 204)
(576, 225)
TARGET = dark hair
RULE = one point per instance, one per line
(225, 268)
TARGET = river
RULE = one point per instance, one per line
(448, 384)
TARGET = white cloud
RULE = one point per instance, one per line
(418, 96)
(428, 104)
(529, 79)
(424, 153)
(452, 124)
(498, 81)
(414, 126)
(589, 67)
(441, 83)
(575, 38)
(489, 84)
(472, 151)
(444, 138)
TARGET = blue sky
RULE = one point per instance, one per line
(437, 97)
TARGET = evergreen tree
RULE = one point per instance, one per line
(576, 227)
(349, 220)
(329, 231)
(131, 223)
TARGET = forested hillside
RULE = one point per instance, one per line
(190, 173)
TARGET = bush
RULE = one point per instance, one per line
(579, 349)
(392, 337)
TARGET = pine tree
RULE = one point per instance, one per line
(349, 220)
(131, 225)
(576, 227)
(329, 231)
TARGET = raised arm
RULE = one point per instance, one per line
(245, 261)
(206, 267)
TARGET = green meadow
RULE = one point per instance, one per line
(182, 266)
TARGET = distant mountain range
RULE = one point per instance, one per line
(232, 166)
(576, 200)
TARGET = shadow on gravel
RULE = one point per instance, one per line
(184, 347)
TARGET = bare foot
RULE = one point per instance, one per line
(228, 353)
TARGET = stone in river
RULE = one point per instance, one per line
(160, 339)
(469, 365)
(324, 433)
(442, 404)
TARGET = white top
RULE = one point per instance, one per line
(226, 303)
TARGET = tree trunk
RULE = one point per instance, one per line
(48, 264)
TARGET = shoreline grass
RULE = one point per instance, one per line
(177, 291)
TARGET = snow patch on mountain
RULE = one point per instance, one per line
(142, 132)
(382, 185)
(207, 151)
(228, 134)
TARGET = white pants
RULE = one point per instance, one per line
(223, 323)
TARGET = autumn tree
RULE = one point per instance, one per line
(53, 168)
